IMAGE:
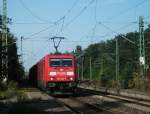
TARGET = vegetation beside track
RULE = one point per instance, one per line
(12, 91)
(103, 62)
(14, 100)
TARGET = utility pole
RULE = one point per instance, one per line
(102, 66)
(82, 68)
(142, 47)
(21, 51)
(78, 65)
(4, 52)
(117, 63)
(90, 69)
(56, 45)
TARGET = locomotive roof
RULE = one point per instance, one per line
(56, 56)
(60, 55)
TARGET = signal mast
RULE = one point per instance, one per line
(4, 44)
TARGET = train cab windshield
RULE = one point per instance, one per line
(65, 62)
(55, 62)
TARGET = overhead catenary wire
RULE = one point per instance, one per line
(61, 18)
(114, 31)
(81, 11)
(28, 9)
(95, 16)
(120, 28)
(110, 34)
(31, 23)
(75, 17)
(107, 34)
(36, 54)
(147, 17)
(95, 10)
(117, 33)
(36, 33)
(51, 41)
(95, 19)
(129, 9)
(69, 10)
(62, 24)
(54, 23)
(65, 15)
(37, 40)
(122, 12)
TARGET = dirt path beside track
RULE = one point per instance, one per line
(37, 102)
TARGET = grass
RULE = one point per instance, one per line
(8, 91)
(22, 106)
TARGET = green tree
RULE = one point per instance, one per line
(15, 68)
(104, 54)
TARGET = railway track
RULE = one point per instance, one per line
(118, 97)
(75, 105)
(90, 102)
(80, 107)
(130, 103)
(85, 102)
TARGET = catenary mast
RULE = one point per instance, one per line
(4, 44)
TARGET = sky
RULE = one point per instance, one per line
(81, 22)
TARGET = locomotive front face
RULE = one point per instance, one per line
(61, 69)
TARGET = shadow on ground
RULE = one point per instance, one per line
(34, 107)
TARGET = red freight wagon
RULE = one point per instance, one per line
(56, 73)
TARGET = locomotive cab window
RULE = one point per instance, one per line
(55, 62)
(66, 62)
(60, 62)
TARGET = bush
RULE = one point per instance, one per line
(8, 91)
(2, 86)
(22, 97)
(138, 83)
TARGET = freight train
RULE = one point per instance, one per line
(55, 73)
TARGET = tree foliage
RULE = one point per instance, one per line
(103, 56)
(15, 68)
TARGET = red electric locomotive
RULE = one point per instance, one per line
(55, 73)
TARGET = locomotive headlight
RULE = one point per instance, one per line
(70, 73)
(71, 78)
(51, 79)
(52, 73)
